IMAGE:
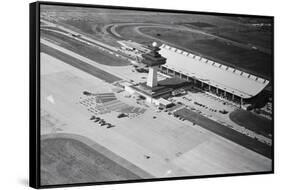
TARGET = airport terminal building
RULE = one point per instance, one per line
(222, 80)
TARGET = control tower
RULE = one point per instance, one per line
(151, 91)
(153, 60)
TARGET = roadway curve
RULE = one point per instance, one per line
(84, 39)
(111, 29)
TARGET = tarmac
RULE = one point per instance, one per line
(163, 146)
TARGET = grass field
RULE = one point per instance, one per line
(200, 24)
(90, 20)
(127, 32)
(247, 59)
(67, 161)
(84, 26)
(236, 29)
(252, 122)
(53, 28)
(79, 64)
(225, 132)
(85, 50)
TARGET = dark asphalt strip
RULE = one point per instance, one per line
(226, 132)
(103, 75)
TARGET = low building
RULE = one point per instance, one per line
(220, 79)
(161, 102)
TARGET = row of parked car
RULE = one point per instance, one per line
(101, 121)
(204, 106)
(179, 117)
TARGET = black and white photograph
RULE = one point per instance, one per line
(140, 94)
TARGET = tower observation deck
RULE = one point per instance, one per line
(153, 60)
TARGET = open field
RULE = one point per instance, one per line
(236, 37)
(81, 65)
(65, 159)
(224, 39)
(88, 51)
(91, 20)
(247, 59)
(124, 72)
(52, 28)
(253, 122)
(200, 24)
(225, 132)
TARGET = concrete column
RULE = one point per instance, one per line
(202, 84)
(224, 93)
(181, 75)
(209, 88)
(152, 77)
(232, 97)
(217, 90)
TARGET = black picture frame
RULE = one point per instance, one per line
(34, 91)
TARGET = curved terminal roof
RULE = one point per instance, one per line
(226, 78)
